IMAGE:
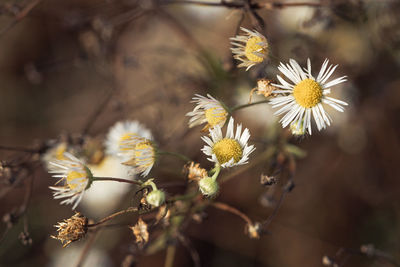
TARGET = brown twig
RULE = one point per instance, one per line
(20, 16)
(192, 251)
(130, 209)
(233, 210)
(267, 5)
(117, 180)
(86, 249)
(169, 258)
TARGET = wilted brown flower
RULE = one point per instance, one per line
(267, 180)
(163, 215)
(140, 232)
(195, 172)
(253, 230)
(264, 87)
(327, 261)
(72, 229)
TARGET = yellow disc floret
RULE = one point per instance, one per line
(59, 153)
(124, 139)
(72, 176)
(253, 46)
(215, 116)
(308, 93)
(226, 149)
(144, 154)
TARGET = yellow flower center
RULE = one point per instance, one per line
(308, 93)
(215, 116)
(253, 46)
(124, 138)
(226, 149)
(59, 153)
(144, 154)
(73, 175)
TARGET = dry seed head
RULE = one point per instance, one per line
(327, 261)
(253, 230)
(72, 229)
(140, 232)
(268, 180)
(195, 172)
(368, 250)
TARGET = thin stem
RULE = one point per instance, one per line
(169, 259)
(175, 154)
(184, 197)
(130, 209)
(248, 105)
(117, 180)
(216, 173)
(276, 209)
(251, 6)
(226, 207)
(193, 252)
(86, 249)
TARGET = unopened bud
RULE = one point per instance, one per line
(296, 129)
(208, 186)
(156, 198)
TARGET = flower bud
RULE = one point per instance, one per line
(156, 198)
(297, 130)
(208, 186)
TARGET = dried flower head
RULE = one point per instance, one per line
(195, 172)
(207, 110)
(327, 261)
(141, 153)
(264, 87)
(230, 151)
(250, 48)
(254, 230)
(75, 179)
(163, 215)
(72, 229)
(25, 238)
(368, 249)
(140, 232)
(268, 180)
(122, 131)
(304, 96)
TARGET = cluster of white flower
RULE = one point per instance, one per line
(299, 97)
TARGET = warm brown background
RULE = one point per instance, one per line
(59, 64)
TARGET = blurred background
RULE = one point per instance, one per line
(71, 69)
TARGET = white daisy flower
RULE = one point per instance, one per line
(122, 131)
(250, 48)
(141, 153)
(305, 95)
(231, 150)
(208, 110)
(75, 179)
